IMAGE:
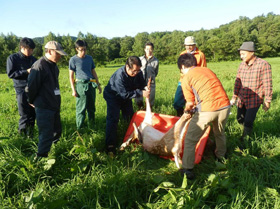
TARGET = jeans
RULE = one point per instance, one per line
(247, 117)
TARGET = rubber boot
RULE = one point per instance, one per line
(246, 133)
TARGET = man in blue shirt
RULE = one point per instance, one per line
(124, 85)
(86, 82)
(18, 68)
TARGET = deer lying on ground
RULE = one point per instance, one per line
(154, 141)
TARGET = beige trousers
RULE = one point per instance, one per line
(198, 124)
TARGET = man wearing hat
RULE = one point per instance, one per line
(43, 92)
(191, 48)
(253, 87)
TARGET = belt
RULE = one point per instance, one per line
(86, 81)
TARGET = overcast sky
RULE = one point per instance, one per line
(119, 18)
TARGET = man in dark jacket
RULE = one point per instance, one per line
(124, 85)
(44, 94)
(18, 68)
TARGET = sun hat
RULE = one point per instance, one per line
(55, 46)
(248, 46)
(190, 40)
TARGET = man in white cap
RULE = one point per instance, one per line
(43, 92)
(191, 48)
(253, 87)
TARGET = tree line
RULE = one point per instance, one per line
(218, 44)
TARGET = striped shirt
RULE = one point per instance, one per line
(253, 83)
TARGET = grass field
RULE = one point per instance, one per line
(78, 173)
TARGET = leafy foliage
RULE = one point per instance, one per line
(218, 44)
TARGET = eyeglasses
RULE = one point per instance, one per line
(82, 49)
(133, 72)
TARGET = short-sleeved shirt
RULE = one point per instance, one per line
(82, 67)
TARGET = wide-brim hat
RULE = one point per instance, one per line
(55, 46)
(248, 46)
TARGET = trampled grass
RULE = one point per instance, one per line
(78, 173)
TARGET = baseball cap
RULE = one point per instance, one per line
(190, 40)
(55, 46)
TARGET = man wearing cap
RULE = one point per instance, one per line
(191, 48)
(253, 87)
(43, 92)
(18, 68)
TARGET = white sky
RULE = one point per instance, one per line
(118, 18)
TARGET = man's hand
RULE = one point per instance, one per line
(189, 106)
(146, 92)
(29, 70)
(233, 101)
(99, 89)
(74, 94)
(266, 106)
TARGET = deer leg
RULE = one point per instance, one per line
(134, 136)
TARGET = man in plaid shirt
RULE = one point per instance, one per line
(253, 87)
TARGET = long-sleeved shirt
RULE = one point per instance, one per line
(200, 59)
(253, 83)
(123, 86)
(149, 68)
(199, 56)
(43, 87)
(17, 65)
(202, 86)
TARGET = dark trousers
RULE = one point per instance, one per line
(114, 106)
(49, 126)
(26, 112)
(247, 117)
(179, 100)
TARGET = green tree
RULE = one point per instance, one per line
(139, 42)
(126, 46)
(114, 48)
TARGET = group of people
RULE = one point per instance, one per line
(38, 94)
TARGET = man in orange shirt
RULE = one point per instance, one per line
(191, 48)
(204, 92)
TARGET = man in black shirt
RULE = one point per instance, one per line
(44, 94)
(18, 68)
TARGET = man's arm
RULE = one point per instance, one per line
(267, 82)
(33, 85)
(97, 81)
(72, 82)
(13, 71)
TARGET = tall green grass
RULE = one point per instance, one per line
(78, 173)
